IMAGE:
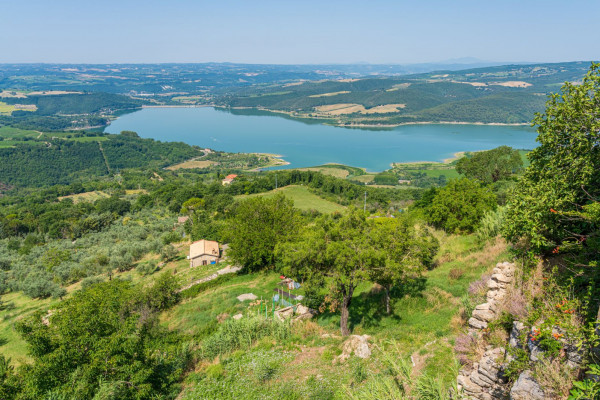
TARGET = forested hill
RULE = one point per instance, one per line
(59, 159)
(504, 94)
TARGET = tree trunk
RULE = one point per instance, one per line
(347, 299)
(388, 308)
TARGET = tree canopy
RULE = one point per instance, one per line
(459, 206)
(257, 226)
(554, 202)
(491, 165)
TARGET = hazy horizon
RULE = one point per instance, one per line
(308, 33)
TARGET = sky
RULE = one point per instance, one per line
(298, 31)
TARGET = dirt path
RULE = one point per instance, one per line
(104, 156)
(226, 270)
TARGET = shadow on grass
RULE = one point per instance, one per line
(368, 309)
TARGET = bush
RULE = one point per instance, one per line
(147, 268)
(491, 224)
(459, 206)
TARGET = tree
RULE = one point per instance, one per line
(406, 251)
(104, 336)
(460, 205)
(553, 206)
(492, 165)
(339, 252)
(257, 226)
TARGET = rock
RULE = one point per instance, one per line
(483, 315)
(477, 324)
(237, 316)
(517, 329)
(501, 278)
(300, 309)
(285, 313)
(483, 306)
(489, 366)
(526, 388)
(356, 345)
(535, 351)
(467, 385)
(574, 355)
(246, 296)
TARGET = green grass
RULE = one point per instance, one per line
(89, 139)
(303, 199)
(14, 133)
(19, 306)
(6, 109)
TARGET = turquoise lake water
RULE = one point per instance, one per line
(306, 144)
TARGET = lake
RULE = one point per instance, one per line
(305, 144)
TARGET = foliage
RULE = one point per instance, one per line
(406, 250)
(242, 334)
(459, 206)
(549, 205)
(257, 226)
(491, 224)
(103, 331)
(492, 165)
(587, 388)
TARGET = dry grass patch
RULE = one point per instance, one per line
(329, 94)
(337, 172)
(512, 84)
(351, 108)
(191, 164)
(87, 196)
(364, 178)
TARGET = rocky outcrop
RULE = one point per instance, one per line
(526, 388)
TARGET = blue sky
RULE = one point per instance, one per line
(297, 32)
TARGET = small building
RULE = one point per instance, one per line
(204, 252)
(228, 179)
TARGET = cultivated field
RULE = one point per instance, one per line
(192, 164)
(303, 199)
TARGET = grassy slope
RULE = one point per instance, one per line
(423, 324)
(303, 199)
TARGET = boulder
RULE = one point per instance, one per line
(285, 313)
(526, 388)
(356, 345)
(246, 296)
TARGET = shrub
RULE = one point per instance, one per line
(456, 273)
(147, 268)
(491, 224)
(215, 371)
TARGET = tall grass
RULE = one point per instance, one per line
(399, 382)
(242, 334)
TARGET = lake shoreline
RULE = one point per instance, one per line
(299, 144)
(331, 121)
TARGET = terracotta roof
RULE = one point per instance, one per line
(202, 247)
(232, 176)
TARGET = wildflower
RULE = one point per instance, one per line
(552, 210)
(555, 251)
